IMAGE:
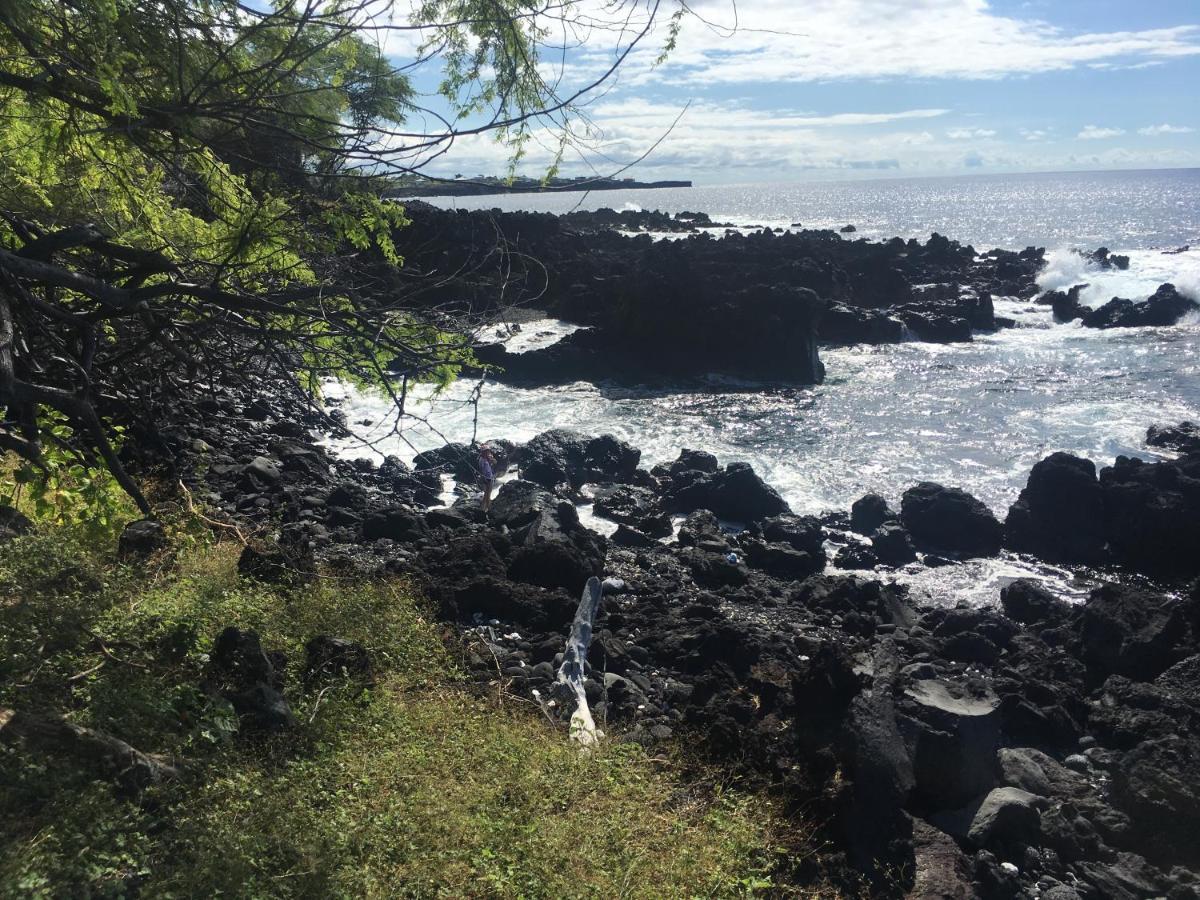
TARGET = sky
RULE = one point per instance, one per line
(790, 90)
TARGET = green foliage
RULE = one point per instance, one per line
(415, 788)
(67, 489)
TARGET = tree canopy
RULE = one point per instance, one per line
(190, 189)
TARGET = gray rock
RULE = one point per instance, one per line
(940, 870)
(1006, 815)
(141, 538)
(952, 732)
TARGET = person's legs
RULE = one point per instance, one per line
(487, 495)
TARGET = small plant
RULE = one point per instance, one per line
(69, 487)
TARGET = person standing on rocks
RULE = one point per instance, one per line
(487, 474)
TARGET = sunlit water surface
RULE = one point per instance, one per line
(975, 415)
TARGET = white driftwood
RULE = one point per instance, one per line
(570, 673)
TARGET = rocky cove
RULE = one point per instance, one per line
(1036, 746)
(1029, 745)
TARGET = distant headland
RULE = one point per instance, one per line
(482, 185)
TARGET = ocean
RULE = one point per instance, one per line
(975, 415)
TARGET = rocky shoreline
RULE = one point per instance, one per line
(1034, 748)
(712, 299)
(1031, 748)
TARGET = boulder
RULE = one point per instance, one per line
(856, 556)
(892, 545)
(949, 520)
(1059, 515)
(736, 493)
(1183, 438)
(1007, 815)
(276, 564)
(782, 560)
(250, 679)
(140, 539)
(1157, 784)
(557, 552)
(869, 512)
(628, 536)
(693, 461)
(1066, 307)
(1152, 514)
(398, 523)
(1125, 631)
(952, 731)
(937, 328)
(1029, 603)
(519, 502)
(1166, 306)
(260, 473)
(460, 461)
(634, 506)
(561, 456)
(941, 871)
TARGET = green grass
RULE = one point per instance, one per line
(420, 787)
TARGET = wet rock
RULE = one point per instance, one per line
(782, 560)
(892, 545)
(1066, 307)
(1184, 437)
(950, 520)
(938, 329)
(1152, 514)
(459, 461)
(856, 556)
(1165, 306)
(561, 456)
(1029, 603)
(140, 539)
(736, 493)
(844, 324)
(801, 533)
(628, 536)
(634, 506)
(1059, 515)
(693, 461)
(1104, 259)
(869, 512)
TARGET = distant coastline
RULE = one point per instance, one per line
(478, 187)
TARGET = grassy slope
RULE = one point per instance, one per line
(419, 787)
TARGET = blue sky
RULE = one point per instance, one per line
(831, 89)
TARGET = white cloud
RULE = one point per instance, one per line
(966, 134)
(1154, 130)
(824, 40)
(1096, 133)
(728, 142)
